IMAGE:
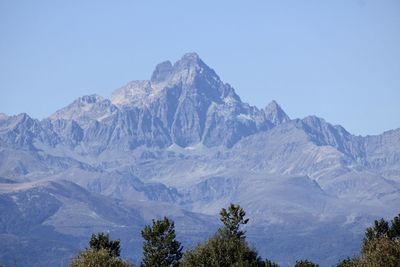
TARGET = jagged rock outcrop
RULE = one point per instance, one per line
(184, 144)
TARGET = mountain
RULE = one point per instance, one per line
(183, 144)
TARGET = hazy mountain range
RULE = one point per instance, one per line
(183, 144)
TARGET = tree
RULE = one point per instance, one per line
(232, 219)
(381, 252)
(382, 229)
(160, 247)
(349, 262)
(102, 252)
(394, 232)
(379, 230)
(305, 263)
(222, 253)
(102, 241)
(381, 246)
(269, 263)
(97, 258)
(227, 247)
(382, 235)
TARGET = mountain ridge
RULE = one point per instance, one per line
(183, 144)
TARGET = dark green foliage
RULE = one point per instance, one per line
(227, 247)
(160, 247)
(232, 219)
(269, 263)
(220, 251)
(102, 241)
(103, 252)
(349, 262)
(394, 232)
(97, 258)
(305, 263)
(381, 246)
(380, 229)
(381, 252)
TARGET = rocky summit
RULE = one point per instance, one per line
(184, 145)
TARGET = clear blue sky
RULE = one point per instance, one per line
(337, 59)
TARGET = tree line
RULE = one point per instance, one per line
(228, 247)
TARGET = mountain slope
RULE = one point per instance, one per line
(184, 144)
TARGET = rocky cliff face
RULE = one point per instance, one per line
(183, 144)
(184, 104)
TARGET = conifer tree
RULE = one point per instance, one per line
(97, 258)
(305, 263)
(394, 232)
(102, 241)
(227, 247)
(160, 247)
(269, 263)
(349, 262)
(102, 252)
(379, 230)
(381, 246)
(232, 219)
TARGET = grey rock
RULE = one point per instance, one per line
(183, 144)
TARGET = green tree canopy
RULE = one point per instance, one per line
(160, 247)
(269, 263)
(379, 233)
(102, 241)
(381, 252)
(381, 246)
(305, 263)
(380, 229)
(394, 231)
(233, 219)
(97, 258)
(227, 247)
(349, 262)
